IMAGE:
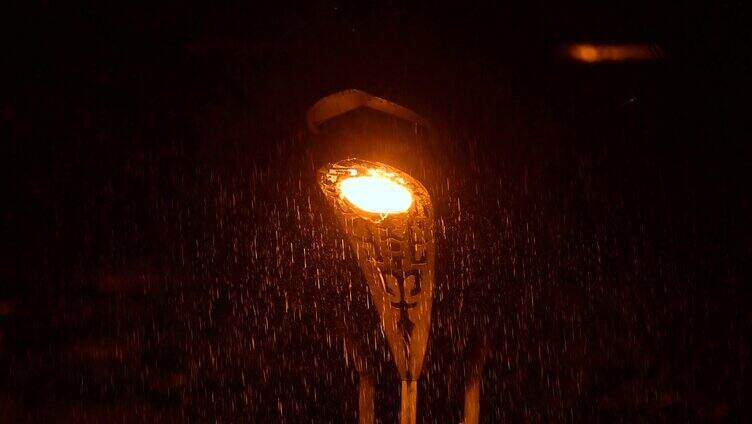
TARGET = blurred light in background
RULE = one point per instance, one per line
(593, 53)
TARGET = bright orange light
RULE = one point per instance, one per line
(592, 53)
(377, 192)
(585, 53)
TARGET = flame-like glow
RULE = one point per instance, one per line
(592, 53)
(376, 193)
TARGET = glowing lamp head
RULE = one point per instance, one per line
(377, 192)
(372, 190)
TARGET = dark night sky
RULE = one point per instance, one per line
(596, 223)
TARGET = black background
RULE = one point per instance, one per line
(160, 259)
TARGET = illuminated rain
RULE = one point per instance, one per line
(170, 257)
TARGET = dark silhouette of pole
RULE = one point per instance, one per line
(478, 356)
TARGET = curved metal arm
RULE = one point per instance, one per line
(345, 101)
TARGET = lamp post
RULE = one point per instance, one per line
(387, 217)
(476, 361)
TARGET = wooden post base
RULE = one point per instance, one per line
(366, 394)
(409, 402)
(472, 402)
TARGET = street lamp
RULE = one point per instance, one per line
(387, 217)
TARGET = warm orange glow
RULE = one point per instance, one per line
(378, 192)
(592, 53)
(585, 53)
